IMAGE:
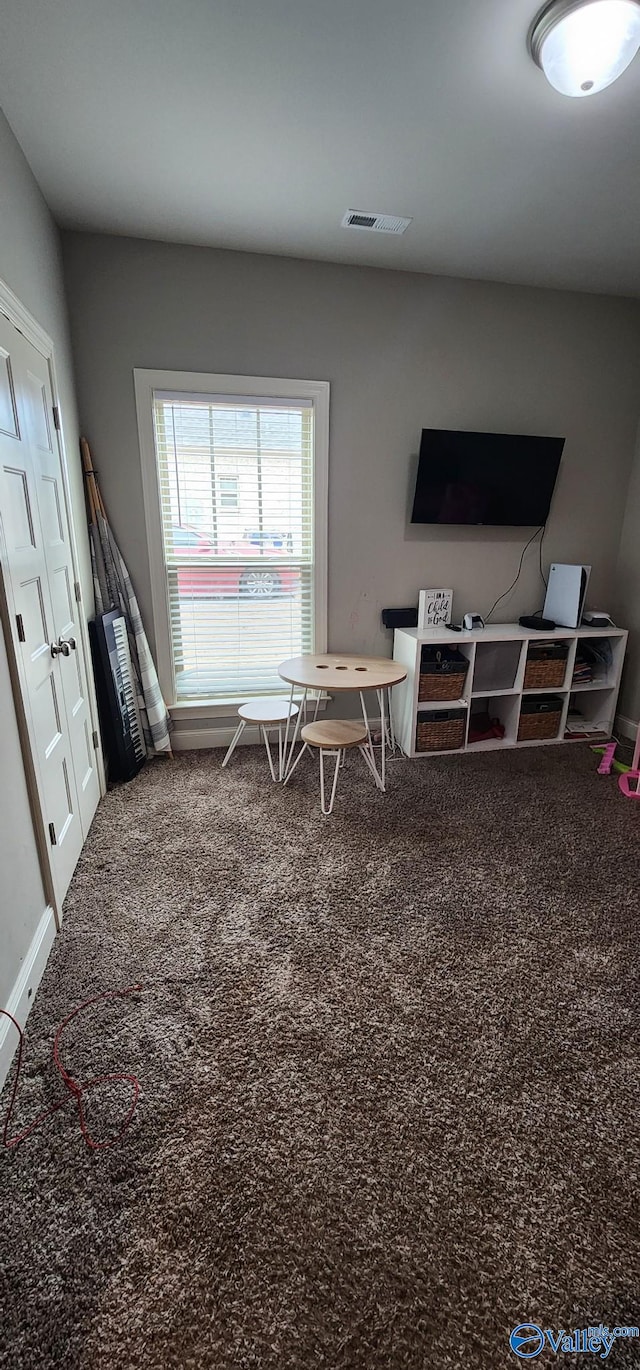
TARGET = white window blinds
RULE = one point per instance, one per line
(236, 481)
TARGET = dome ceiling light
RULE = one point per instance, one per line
(584, 45)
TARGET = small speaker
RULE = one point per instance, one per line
(400, 618)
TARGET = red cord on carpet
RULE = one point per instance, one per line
(76, 1089)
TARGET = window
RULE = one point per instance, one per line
(234, 473)
(228, 487)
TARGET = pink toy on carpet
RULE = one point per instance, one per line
(607, 759)
(630, 783)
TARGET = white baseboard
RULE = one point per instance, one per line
(195, 734)
(24, 990)
(186, 739)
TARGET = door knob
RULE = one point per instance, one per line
(63, 647)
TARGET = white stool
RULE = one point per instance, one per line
(267, 713)
(334, 736)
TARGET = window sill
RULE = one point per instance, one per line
(222, 708)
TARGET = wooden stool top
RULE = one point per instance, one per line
(335, 733)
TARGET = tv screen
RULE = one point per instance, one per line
(494, 478)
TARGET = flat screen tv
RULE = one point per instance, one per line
(493, 478)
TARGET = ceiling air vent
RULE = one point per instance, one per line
(375, 223)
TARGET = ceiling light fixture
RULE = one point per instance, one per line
(584, 45)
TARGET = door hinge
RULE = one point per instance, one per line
(52, 835)
(96, 740)
(77, 588)
(56, 417)
(20, 627)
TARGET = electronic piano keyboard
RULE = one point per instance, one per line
(117, 700)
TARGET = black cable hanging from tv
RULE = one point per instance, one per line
(542, 529)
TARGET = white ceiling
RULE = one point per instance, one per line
(255, 124)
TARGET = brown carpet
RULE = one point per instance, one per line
(388, 1061)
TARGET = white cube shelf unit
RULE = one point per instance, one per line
(494, 682)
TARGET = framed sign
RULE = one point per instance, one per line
(434, 608)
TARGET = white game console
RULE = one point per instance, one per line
(566, 594)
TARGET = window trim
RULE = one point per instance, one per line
(201, 383)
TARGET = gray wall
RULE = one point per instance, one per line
(401, 351)
(628, 595)
(30, 265)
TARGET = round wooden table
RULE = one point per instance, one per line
(334, 673)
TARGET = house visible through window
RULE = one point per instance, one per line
(228, 492)
(237, 476)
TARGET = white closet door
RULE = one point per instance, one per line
(41, 594)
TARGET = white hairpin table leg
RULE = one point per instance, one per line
(265, 739)
(364, 752)
(374, 769)
(234, 741)
(301, 753)
(370, 766)
(383, 739)
(286, 731)
(288, 757)
(392, 735)
(326, 811)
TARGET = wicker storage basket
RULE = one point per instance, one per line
(546, 666)
(441, 731)
(443, 671)
(440, 686)
(539, 720)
